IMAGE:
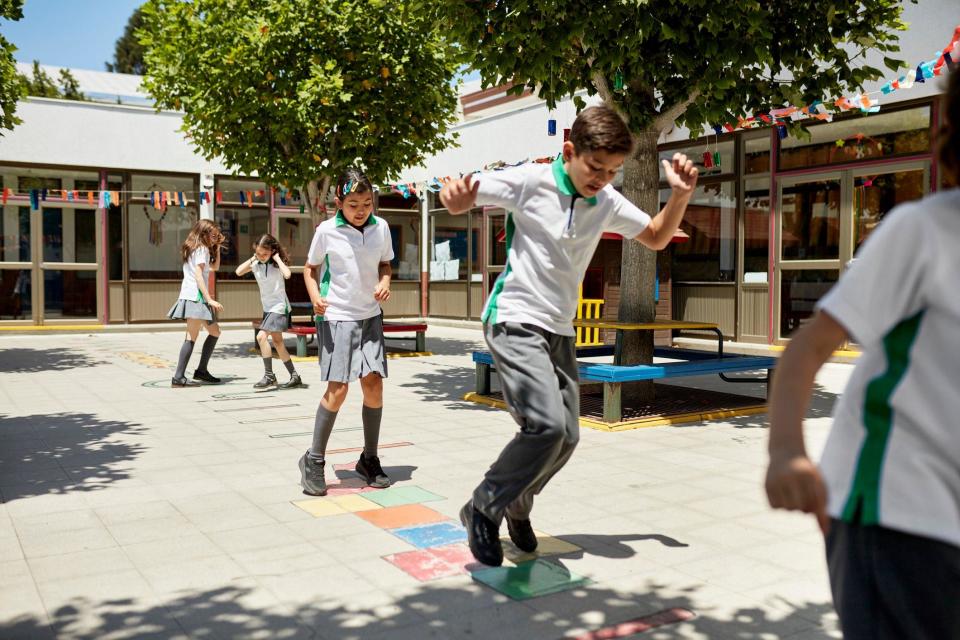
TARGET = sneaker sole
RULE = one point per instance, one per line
(466, 519)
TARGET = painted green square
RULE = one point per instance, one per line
(530, 579)
(396, 496)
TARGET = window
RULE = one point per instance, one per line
(154, 235)
(857, 138)
(709, 254)
(405, 234)
(449, 246)
(253, 191)
(695, 151)
(295, 232)
(15, 234)
(799, 293)
(756, 230)
(811, 220)
(242, 227)
(756, 154)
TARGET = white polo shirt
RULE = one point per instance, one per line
(551, 234)
(349, 262)
(273, 287)
(188, 288)
(893, 454)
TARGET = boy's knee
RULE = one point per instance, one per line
(261, 337)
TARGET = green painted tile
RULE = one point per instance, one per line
(530, 579)
(396, 496)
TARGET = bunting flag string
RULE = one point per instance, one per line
(867, 102)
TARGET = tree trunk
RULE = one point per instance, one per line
(641, 178)
(314, 196)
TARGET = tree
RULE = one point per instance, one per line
(298, 90)
(128, 52)
(691, 62)
(11, 82)
(42, 85)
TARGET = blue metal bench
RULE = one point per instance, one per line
(690, 363)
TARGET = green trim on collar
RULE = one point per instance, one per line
(565, 184)
(342, 221)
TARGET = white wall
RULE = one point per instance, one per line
(61, 132)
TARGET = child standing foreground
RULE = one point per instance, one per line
(887, 491)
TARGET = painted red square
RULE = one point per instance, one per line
(435, 563)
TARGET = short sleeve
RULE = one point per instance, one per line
(386, 255)
(886, 282)
(200, 255)
(502, 189)
(318, 248)
(626, 219)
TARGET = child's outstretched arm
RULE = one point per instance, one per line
(459, 196)
(793, 481)
(681, 175)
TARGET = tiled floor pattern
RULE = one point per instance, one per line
(439, 543)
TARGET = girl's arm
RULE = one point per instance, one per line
(246, 267)
(793, 481)
(382, 292)
(313, 289)
(202, 285)
(215, 258)
(284, 269)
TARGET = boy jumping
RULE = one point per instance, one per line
(557, 215)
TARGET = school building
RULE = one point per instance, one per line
(771, 227)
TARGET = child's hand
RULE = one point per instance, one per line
(794, 483)
(216, 306)
(459, 195)
(276, 258)
(382, 292)
(681, 175)
(320, 308)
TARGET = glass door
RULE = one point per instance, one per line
(824, 220)
(66, 239)
(811, 244)
(16, 265)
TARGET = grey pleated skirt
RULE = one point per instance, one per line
(350, 350)
(184, 309)
(274, 322)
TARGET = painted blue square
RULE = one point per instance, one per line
(432, 535)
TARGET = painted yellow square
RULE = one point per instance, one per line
(354, 503)
(546, 546)
(320, 507)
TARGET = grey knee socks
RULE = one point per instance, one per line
(268, 365)
(322, 428)
(371, 430)
(186, 350)
(289, 365)
(205, 353)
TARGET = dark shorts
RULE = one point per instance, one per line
(889, 585)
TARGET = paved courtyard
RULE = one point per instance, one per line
(133, 510)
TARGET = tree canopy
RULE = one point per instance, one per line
(298, 90)
(128, 52)
(11, 82)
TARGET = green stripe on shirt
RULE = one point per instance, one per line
(324, 282)
(490, 312)
(878, 421)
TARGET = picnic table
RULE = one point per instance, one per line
(656, 325)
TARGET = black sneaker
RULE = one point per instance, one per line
(293, 382)
(372, 472)
(483, 536)
(204, 376)
(311, 476)
(522, 535)
(179, 382)
(268, 380)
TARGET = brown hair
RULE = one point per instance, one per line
(269, 242)
(204, 232)
(950, 131)
(353, 181)
(601, 128)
